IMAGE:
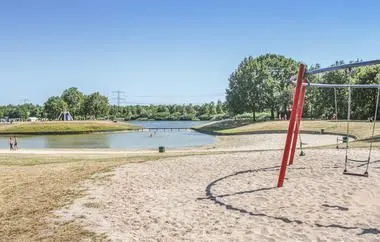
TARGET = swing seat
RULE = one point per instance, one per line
(365, 174)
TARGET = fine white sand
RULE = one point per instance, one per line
(232, 197)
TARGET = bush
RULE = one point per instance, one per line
(243, 116)
(221, 116)
(142, 119)
(259, 116)
(187, 117)
(204, 117)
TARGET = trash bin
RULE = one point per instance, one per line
(345, 139)
(161, 149)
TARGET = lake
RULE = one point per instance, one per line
(120, 140)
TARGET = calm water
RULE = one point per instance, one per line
(168, 124)
(120, 140)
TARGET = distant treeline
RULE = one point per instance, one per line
(96, 106)
(207, 111)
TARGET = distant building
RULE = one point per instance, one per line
(32, 119)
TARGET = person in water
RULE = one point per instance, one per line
(15, 147)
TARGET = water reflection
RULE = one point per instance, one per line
(120, 140)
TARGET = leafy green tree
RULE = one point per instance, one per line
(212, 108)
(190, 109)
(261, 83)
(74, 99)
(235, 98)
(250, 88)
(219, 107)
(23, 111)
(96, 105)
(54, 106)
(179, 109)
(278, 70)
(364, 100)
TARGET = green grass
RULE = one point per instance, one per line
(61, 127)
(359, 129)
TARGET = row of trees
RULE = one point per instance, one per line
(205, 111)
(95, 105)
(262, 84)
(257, 86)
(80, 106)
(21, 111)
(321, 102)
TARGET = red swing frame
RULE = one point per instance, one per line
(297, 111)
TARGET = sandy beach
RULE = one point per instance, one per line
(232, 197)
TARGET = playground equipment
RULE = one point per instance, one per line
(65, 116)
(297, 110)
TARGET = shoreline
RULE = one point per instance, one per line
(2, 134)
(241, 143)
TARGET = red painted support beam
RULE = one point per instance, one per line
(292, 122)
(298, 121)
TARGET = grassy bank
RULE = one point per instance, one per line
(61, 127)
(359, 129)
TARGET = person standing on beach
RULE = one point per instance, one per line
(15, 143)
(10, 143)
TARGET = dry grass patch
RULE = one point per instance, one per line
(360, 129)
(61, 127)
(33, 186)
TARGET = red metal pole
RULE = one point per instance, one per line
(298, 121)
(292, 122)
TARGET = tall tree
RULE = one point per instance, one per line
(247, 89)
(54, 106)
(219, 107)
(278, 69)
(235, 98)
(212, 108)
(96, 105)
(74, 99)
(261, 83)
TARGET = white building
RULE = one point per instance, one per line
(32, 119)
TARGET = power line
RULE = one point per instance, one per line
(119, 98)
(25, 101)
(176, 96)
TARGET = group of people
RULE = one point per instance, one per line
(282, 116)
(13, 143)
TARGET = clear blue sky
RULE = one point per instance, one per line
(168, 51)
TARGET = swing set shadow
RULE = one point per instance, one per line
(216, 199)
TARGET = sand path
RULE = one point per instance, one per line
(231, 197)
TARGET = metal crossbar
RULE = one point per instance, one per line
(334, 68)
(324, 85)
